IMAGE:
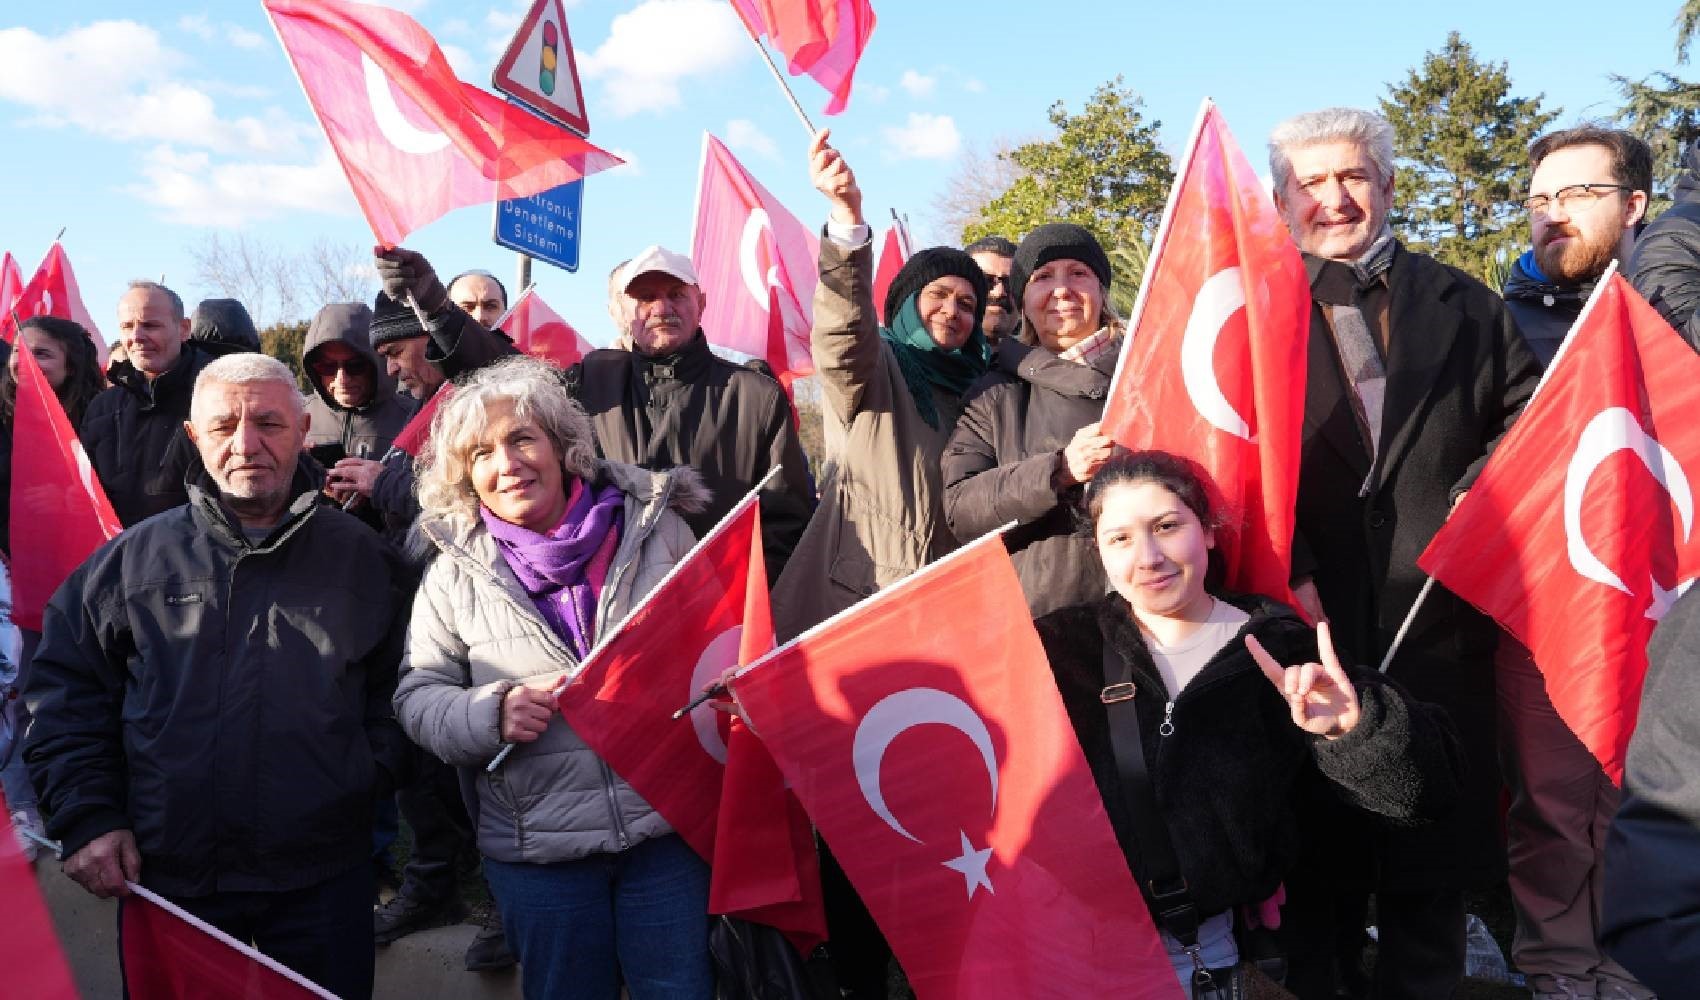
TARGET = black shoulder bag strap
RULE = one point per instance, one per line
(1164, 886)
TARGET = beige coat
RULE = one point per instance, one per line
(881, 513)
(475, 634)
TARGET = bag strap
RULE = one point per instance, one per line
(1165, 886)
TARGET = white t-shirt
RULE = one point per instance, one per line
(1180, 663)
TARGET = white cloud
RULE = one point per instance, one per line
(923, 137)
(116, 79)
(198, 25)
(631, 168)
(743, 136)
(973, 86)
(236, 36)
(241, 38)
(191, 189)
(655, 46)
(873, 92)
(916, 84)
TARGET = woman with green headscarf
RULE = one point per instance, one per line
(889, 400)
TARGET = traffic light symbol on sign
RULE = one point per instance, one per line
(550, 57)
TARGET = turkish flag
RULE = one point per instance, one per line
(60, 513)
(415, 141)
(30, 958)
(923, 732)
(1578, 534)
(823, 38)
(708, 615)
(892, 257)
(171, 955)
(52, 291)
(11, 283)
(540, 331)
(417, 430)
(1214, 364)
(745, 243)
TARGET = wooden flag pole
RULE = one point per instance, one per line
(779, 78)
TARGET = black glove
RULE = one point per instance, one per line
(405, 272)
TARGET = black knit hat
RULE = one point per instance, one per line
(392, 320)
(1056, 241)
(929, 265)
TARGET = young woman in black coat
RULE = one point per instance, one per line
(1237, 708)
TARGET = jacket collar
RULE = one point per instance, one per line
(1038, 366)
(689, 363)
(207, 508)
(177, 382)
(1122, 635)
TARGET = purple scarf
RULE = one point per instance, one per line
(562, 571)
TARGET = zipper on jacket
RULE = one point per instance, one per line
(499, 786)
(613, 804)
(1168, 726)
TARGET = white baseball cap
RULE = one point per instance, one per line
(657, 258)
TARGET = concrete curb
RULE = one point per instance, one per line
(429, 965)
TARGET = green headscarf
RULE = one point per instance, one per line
(925, 365)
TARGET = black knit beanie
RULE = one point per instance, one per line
(929, 265)
(1056, 241)
(392, 320)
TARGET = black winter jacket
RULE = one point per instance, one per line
(1544, 311)
(1665, 267)
(1001, 460)
(1225, 776)
(227, 701)
(361, 432)
(133, 433)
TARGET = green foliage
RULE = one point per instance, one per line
(285, 342)
(1105, 170)
(1462, 142)
(1664, 110)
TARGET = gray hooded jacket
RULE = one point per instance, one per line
(365, 431)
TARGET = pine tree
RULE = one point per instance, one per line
(1462, 144)
(1664, 109)
(1105, 170)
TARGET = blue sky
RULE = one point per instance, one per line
(144, 129)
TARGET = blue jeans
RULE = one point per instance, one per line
(14, 779)
(578, 927)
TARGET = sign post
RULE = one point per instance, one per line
(544, 226)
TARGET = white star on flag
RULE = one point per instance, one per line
(972, 865)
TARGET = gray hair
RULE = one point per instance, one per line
(245, 369)
(1368, 130)
(444, 469)
(176, 300)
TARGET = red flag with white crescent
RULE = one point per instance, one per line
(413, 139)
(417, 430)
(933, 752)
(11, 283)
(52, 291)
(745, 243)
(60, 513)
(823, 38)
(539, 331)
(1213, 368)
(892, 257)
(169, 954)
(708, 615)
(1578, 535)
(33, 963)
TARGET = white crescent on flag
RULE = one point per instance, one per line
(402, 134)
(1218, 299)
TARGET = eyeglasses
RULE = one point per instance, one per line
(326, 368)
(1574, 198)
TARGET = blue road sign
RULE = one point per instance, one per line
(544, 226)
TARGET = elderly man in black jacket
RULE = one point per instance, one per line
(1665, 268)
(133, 432)
(1416, 370)
(212, 694)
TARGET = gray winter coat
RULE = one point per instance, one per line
(475, 634)
(366, 431)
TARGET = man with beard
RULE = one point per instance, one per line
(1587, 197)
(996, 256)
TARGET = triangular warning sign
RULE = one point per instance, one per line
(538, 67)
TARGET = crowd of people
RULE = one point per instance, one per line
(304, 635)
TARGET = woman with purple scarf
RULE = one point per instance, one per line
(541, 547)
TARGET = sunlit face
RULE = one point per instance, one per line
(1063, 302)
(404, 361)
(946, 306)
(1001, 317)
(48, 353)
(516, 471)
(662, 312)
(481, 298)
(1155, 551)
(1335, 202)
(249, 436)
(1574, 242)
(344, 373)
(152, 337)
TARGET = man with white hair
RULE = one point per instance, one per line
(1416, 370)
(212, 694)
